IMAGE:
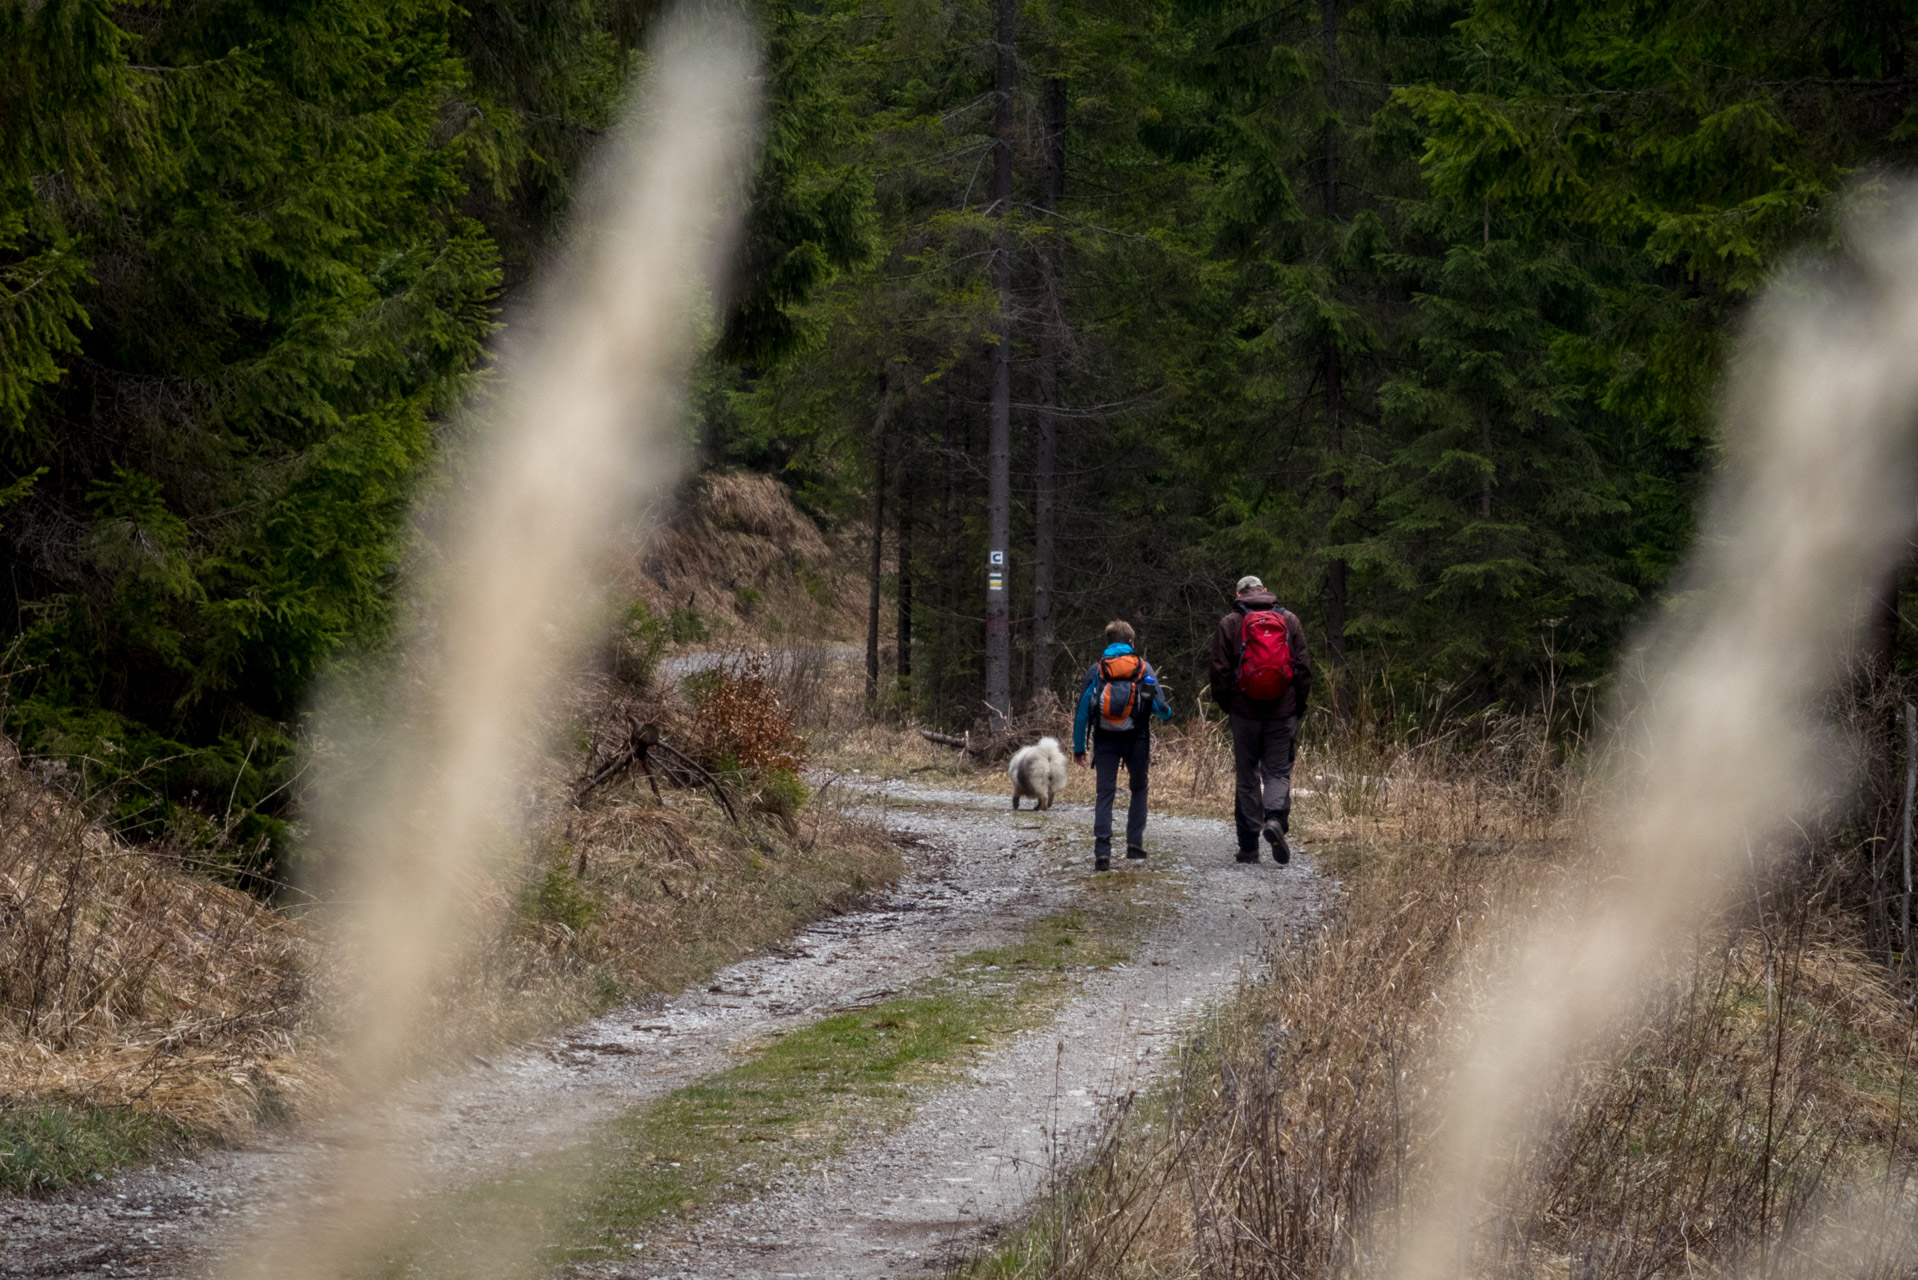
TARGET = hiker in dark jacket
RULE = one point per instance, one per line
(1265, 733)
(1120, 695)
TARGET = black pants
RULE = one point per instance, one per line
(1133, 749)
(1262, 754)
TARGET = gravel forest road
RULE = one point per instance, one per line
(959, 1170)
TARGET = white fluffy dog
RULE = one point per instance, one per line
(1038, 771)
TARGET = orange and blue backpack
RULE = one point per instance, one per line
(1122, 692)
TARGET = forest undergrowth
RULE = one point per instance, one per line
(1752, 1117)
(145, 1005)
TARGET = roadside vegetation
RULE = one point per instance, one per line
(50, 1145)
(146, 1005)
(140, 1001)
(1414, 307)
(1755, 1116)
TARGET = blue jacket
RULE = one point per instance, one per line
(1083, 716)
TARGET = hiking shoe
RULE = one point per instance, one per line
(1249, 855)
(1101, 861)
(1135, 853)
(1275, 836)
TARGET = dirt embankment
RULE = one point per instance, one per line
(739, 565)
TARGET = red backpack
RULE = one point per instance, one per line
(1265, 656)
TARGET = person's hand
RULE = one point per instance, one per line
(1080, 760)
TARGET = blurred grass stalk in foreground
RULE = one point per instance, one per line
(580, 441)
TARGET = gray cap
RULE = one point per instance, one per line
(1249, 583)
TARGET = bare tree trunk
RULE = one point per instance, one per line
(878, 542)
(1051, 343)
(1881, 665)
(1882, 628)
(904, 504)
(999, 423)
(936, 686)
(1336, 569)
(1911, 793)
(1329, 52)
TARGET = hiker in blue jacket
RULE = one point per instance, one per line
(1120, 696)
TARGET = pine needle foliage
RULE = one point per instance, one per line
(1412, 307)
(250, 255)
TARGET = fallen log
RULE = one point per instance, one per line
(985, 748)
(947, 739)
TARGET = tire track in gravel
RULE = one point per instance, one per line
(973, 1158)
(967, 1162)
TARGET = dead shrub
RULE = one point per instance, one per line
(740, 721)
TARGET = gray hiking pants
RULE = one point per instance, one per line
(1262, 754)
(1133, 749)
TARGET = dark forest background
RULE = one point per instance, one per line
(1413, 307)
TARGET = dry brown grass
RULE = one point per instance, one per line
(755, 568)
(1753, 1117)
(622, 894)
(127, 980)
(1496, 779)
(684, 893)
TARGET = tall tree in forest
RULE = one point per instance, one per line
(1333, 374)
(1052, 336)
(999, 410)
(1500, 500)
(69, 105)
(1405, 304)
(1304, 211)
(876, 562)
(249, 256)
(1692, 181)
(903, 553)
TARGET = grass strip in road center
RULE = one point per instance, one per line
(790, 1108)
(798, 1103)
